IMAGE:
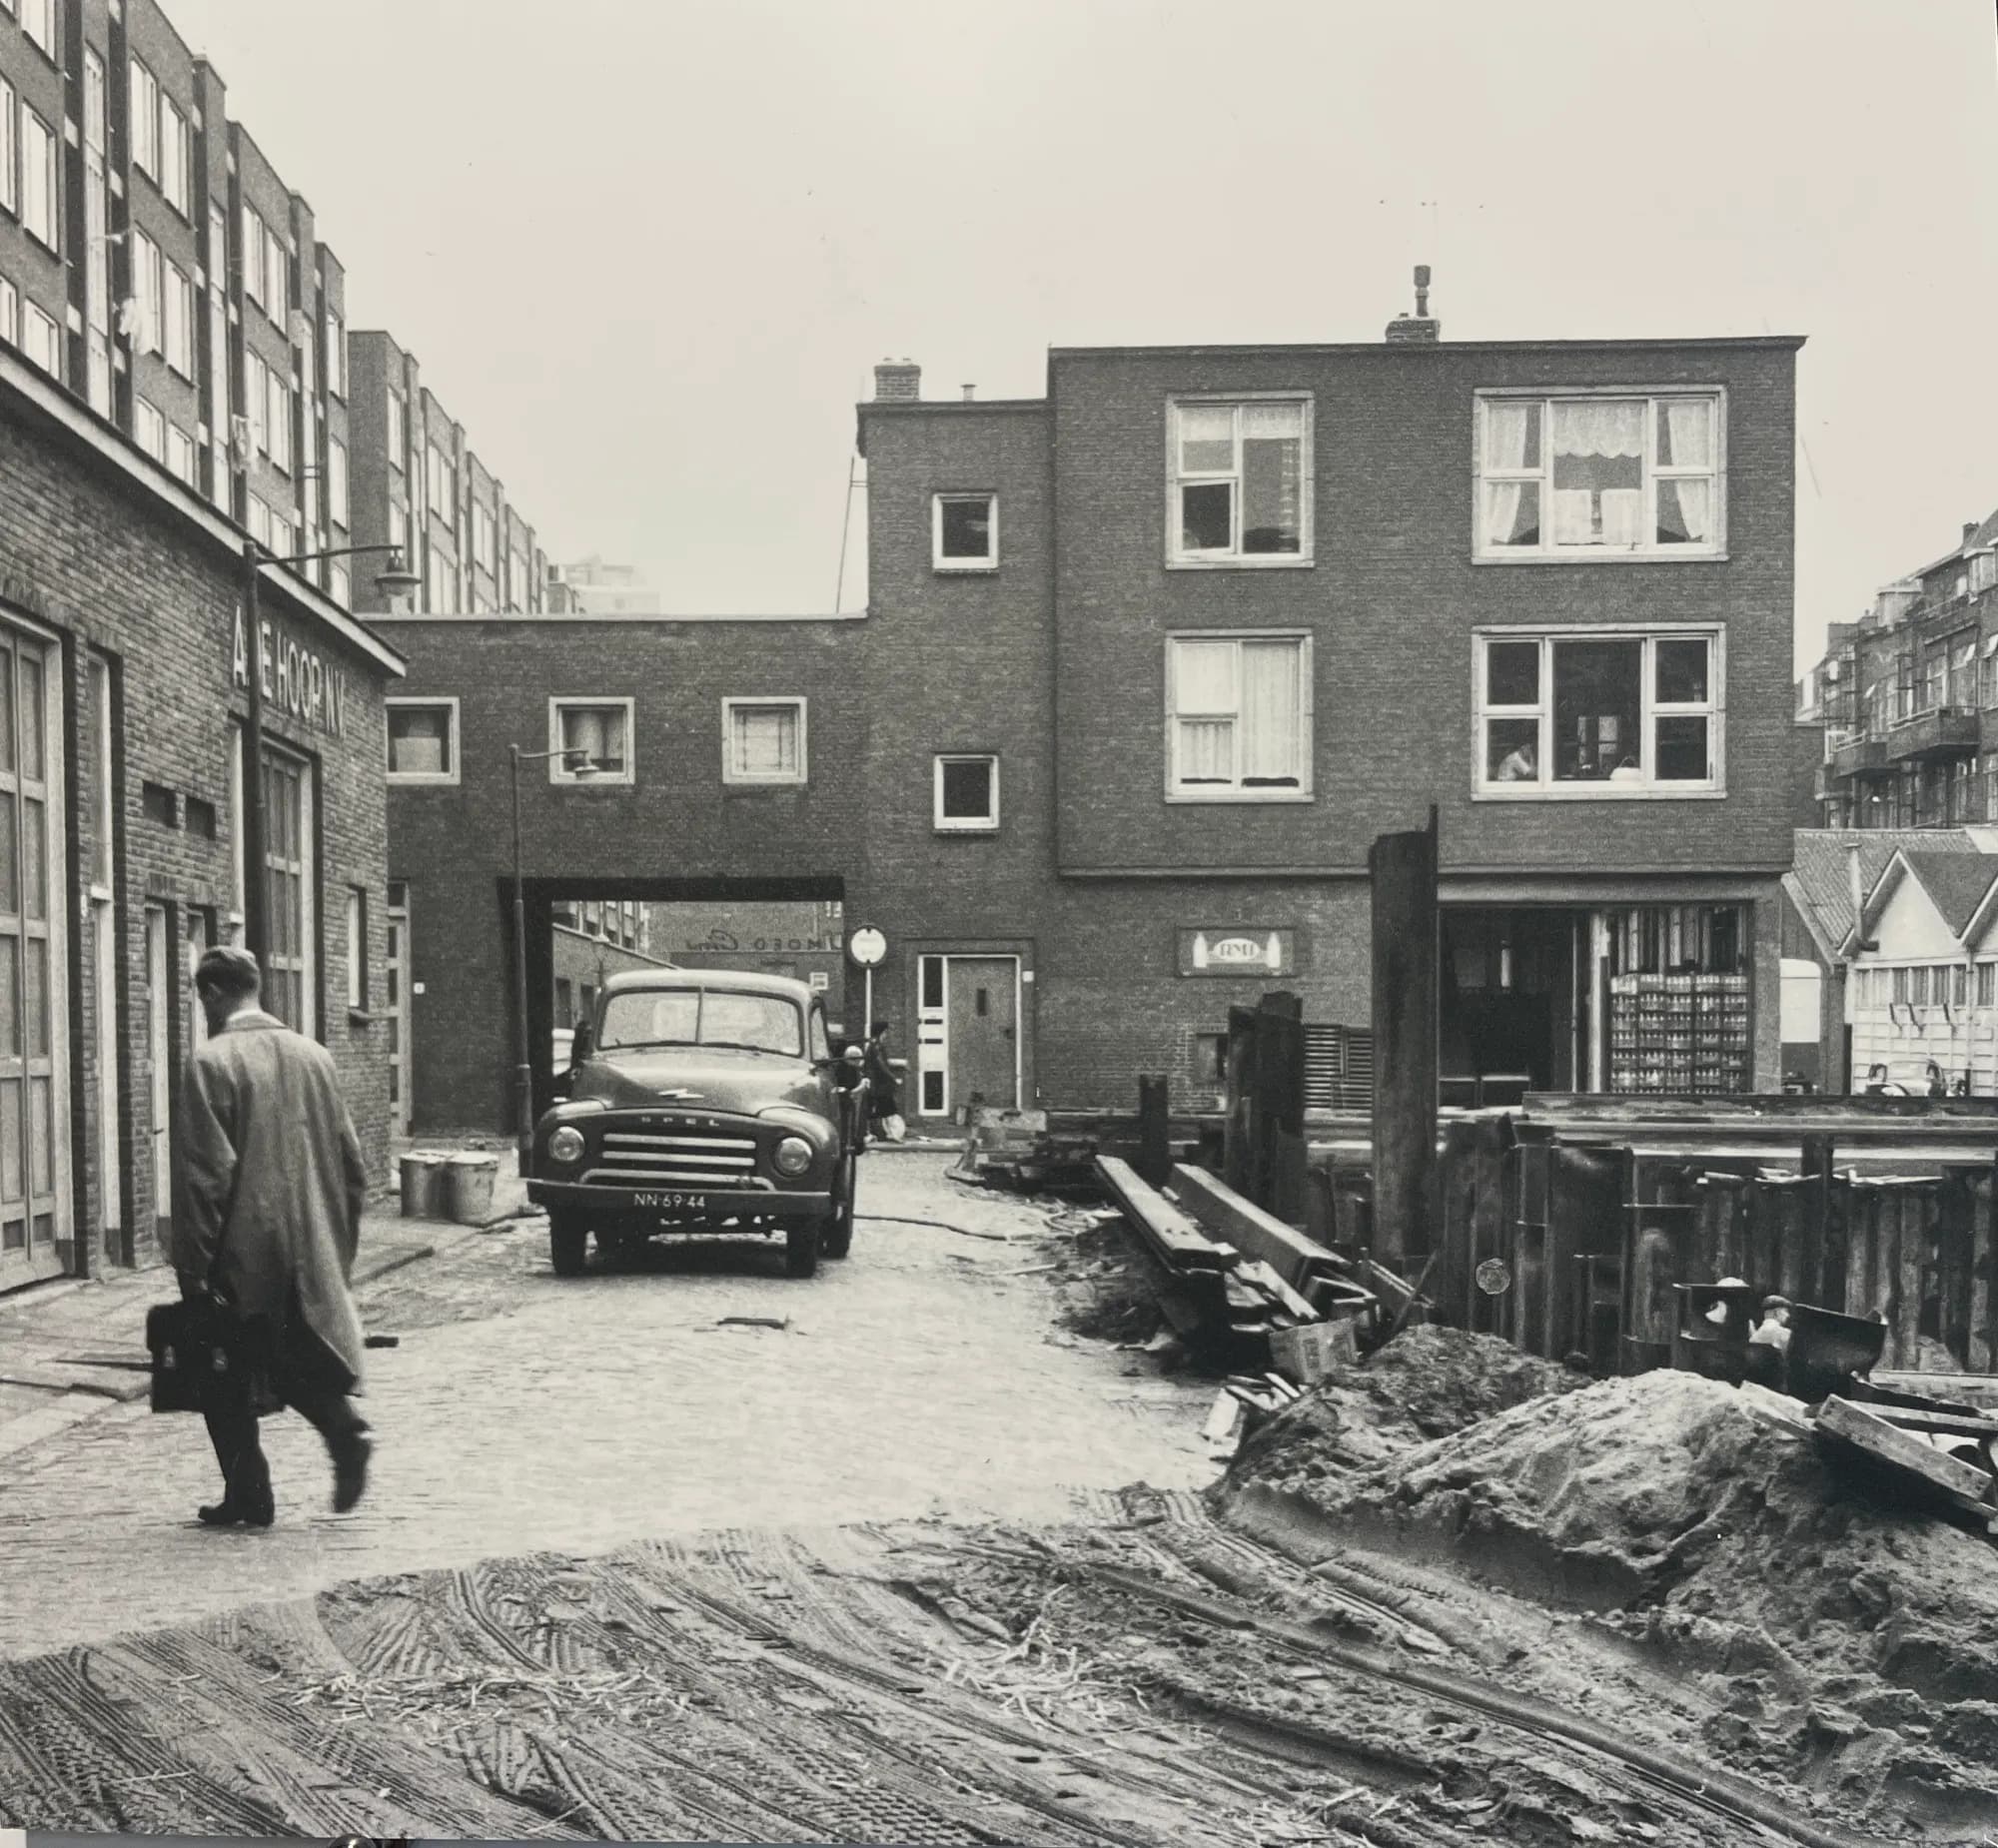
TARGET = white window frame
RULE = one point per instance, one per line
(338, 509)
(181, 454)
(560, 772)
(176, 158)
(357, 950)
(960, 824)
(250, 237)
(399, 432)
(149, 284)
(341, 585)
(279, 419)
(148, 428)
(145, 108)
(1545, 789)
(46, 232)
(38, 21)
(1175, 791)
(747, 780)
(177, 289)
(1233, 559)
(277, 280)
(938, 561)
(447, 702)
(1546, 551)
(41, 338)
(334, 339)
(10, 313)
(10, 148)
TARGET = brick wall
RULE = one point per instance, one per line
(109, 567)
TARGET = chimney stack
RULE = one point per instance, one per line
(897, 380)
(1416, 328)
(970, 392)
(1970, 533)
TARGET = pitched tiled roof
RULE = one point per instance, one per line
(1956, 881)
(1823, 885)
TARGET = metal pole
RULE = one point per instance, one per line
(524, 1074)
(867, 1008)
(256, 877)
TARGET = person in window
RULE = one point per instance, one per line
(1519, 765)
(884, 1092)
(271, 1187)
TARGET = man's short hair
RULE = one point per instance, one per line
(228, 971)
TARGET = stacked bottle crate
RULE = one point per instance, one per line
(1678, 1035)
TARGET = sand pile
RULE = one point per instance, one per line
(1426, 1383)
(1835, 1630)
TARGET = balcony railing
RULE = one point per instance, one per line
(1941, 731)
(1860, 757)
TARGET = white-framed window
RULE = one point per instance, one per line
(1584, 712)
(10, 148)
(591, 741)
(336, 480)
(277, 276)
(10, 313)
(964, 532)
(341, 588)
(764, 741)
(179, 454)
(516, 580)
(257, 393)
(145, 120)
(149, 283)
(251, 243)
(399, 526)
(40, 186)
(966, 793)
(444, 487)
(290, 859)
(176, 158)
(1241, 472)
(179, 292)
(148, 429)
(279, 419)
(333, 336)
(398, 438)
(1601, 475)
(38, 21)
(422, 740)
(258, 514)
(94, 94)
(1238, 716)
(41, 338)
(357, 948)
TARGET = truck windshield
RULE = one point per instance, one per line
(701, 1017)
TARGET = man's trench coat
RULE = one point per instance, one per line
(271, 1171)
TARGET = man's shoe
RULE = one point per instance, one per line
(227, 1514)
(350, 1471)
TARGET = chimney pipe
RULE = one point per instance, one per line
(1858, 889)
(1970, 531)
(1421, 290)
(1417, 328)
(970, 392)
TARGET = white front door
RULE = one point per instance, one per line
(159, 1054)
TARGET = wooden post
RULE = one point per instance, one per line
(1826, 1266)
(1155, 1137)
(1238, 1147)
(1279, 1106)
(1403, 869)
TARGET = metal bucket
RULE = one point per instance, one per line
(423, 1185)
(468, 1187)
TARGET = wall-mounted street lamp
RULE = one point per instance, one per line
(395, 581)
(577, 763)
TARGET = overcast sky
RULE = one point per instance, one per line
(649, 250)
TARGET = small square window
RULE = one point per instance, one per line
(591, 741)
(965, 532)
(764, 741)
(967, 794)
(422, 740)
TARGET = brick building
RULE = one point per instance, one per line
(1908, 698)
(416, 484)
(124, 675)
(1146, 665)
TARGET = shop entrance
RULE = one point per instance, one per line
(968, 1033)
(1515, 1017)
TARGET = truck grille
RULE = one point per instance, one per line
(685, 1157)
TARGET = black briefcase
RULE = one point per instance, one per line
(198, 1345)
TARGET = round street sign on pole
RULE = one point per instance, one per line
(867, 946)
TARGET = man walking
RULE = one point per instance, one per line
(272, 1186)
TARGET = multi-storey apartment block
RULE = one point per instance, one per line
(1907, 694)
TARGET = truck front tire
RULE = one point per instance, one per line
(568, 1243)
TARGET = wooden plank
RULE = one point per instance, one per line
(1264, 1278)
(1861, 1427)
(1945, 1424)
(1401, 870)
(1171, 1234)
(1224, 1214)
(1965, 1388)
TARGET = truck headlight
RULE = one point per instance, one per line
(565, 1145)
(792, 1156)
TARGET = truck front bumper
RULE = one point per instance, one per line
(645, 1204)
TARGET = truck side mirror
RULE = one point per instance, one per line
(582, 1045)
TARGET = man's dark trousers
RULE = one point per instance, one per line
(231, 1429)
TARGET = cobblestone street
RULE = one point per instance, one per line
(926, 1373)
